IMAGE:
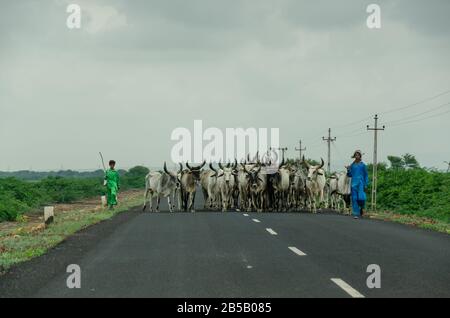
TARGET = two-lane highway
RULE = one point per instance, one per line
(215, 254)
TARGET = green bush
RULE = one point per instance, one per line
(18, 197)
(415, 191)
(134, 178)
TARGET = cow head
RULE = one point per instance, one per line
(173, 176)
(314, 171)
(195, 171)
(228, 172)
(292, 174)
(253, 176)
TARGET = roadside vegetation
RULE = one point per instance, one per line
(29, 237)
(411, 194)
(19, 197)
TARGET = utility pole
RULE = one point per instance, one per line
(375, 130)
(448, 168)
(329, 140)
(300, 149)
(283, 150)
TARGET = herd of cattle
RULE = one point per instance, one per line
(249, 186)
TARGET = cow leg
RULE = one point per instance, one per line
(224, 201)
(158, 200)
(206, 198)
(169, 202)
(145, 199)
(191, 201)
(261, 203)
(186, 196)
(173, 200)
(151, 202)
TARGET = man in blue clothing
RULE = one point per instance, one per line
(360, 181)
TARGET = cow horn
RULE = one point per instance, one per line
(245, 169)
(306, 163)
(181, 168)
(228, 165)
(235, 164)
(281, 164)
(165, 168)
(212, 168)
(196, 168)
(220, 165)
(322, 164)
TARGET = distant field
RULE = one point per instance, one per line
(18, 197)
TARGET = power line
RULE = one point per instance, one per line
(419, 114)
(354, 135)
(398, 109)
(416, 103)
(421, 119)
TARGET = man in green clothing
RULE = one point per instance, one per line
(112, 184)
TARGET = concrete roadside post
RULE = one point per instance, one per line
(104, 201)
(49, 215)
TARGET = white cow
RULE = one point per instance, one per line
(257, 185)
(189, 179)
(160, 185)
(315, 184)
(281, 185)
(242, 183)
(208, 181)
(297, 191)
(226, 184)
(340, 190)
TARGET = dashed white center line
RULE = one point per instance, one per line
(297, 251)
(256, 220)
(245, 214)
(271, 231)
(347, 288)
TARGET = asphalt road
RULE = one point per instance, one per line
(231, 254)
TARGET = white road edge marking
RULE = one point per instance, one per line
(271, 231)
(347, 288)
(256, 220)
(245, 214)
(297, 251)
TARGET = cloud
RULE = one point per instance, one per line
(102, 18)
(144, 67)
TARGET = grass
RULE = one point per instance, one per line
(412, 220)
(22, 243)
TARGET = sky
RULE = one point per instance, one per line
(137, 70)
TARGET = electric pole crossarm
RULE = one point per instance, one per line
(329, 140)
(283, 150)
(300, 149)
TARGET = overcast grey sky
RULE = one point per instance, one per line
(138, 69)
